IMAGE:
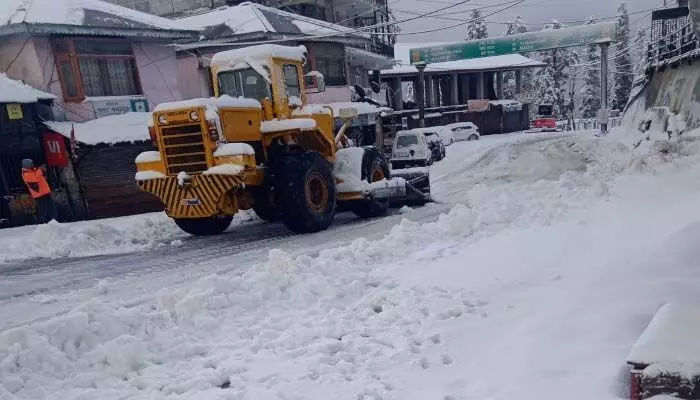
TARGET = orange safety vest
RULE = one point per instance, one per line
(36, 182)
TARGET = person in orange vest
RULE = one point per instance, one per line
(40, 190)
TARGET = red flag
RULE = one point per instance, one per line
(73, 143)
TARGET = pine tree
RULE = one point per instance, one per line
(515, 27)
(623, 76)
(553, 78)
(477, 29)
(590, 92)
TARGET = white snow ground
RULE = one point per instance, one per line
(535, 285)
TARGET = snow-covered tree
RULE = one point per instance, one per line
(623, 75)
(641, 44)
(477, 29)
(590, 92)
(515, 27)
(552, 80)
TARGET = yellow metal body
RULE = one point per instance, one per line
(185, 145)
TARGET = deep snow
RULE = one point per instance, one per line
(535, 285)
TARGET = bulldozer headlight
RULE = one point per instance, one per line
(162, 119)
(194, 116)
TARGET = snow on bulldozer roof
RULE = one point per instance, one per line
(261, 52)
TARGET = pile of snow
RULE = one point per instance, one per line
(14, 91)
(225, 169)
(110, 236)
(129, 127)
(76, 12)
(537, 284)
(147, 157)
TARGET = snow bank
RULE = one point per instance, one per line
(287, 124)
(129, 127)
(348, 168)
(13, 91)
(111, 236)
(234, 149)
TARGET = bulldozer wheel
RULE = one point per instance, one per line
(204, 226)
(263, 206)
(305, 192)
(374, 169)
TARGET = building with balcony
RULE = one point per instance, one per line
(344, 56)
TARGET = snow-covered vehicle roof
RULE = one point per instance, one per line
(14, 91)
(460, 125)
(260, 53)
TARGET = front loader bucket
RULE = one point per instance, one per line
(417, 186)
(202, 196)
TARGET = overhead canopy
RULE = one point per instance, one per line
(497, 63)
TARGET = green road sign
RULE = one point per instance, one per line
(523, 43)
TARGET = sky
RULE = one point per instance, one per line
(535, 13)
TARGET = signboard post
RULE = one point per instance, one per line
(523, 43)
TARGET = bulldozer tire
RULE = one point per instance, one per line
(305, 191)
(204, 226)
(263, 207)
(374, 168)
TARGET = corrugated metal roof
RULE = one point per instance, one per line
(84, 17)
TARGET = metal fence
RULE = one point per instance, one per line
(672, 37)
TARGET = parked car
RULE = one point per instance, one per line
(437, 147)
(446, 135)
(410, 150)
(464, 131)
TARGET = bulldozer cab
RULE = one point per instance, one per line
(272, 75)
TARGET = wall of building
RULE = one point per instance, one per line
(193, 80)
(34, 64)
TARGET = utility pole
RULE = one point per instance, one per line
(604, 112)
(420, 94)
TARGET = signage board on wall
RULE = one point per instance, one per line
(55, 150)
(103, 108)
(14, 111)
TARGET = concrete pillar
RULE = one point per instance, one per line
(466, 87)
(429, 91)
(480, 85)
(518, 81)
(499, 85)
(398, 93)
(455, 89)
(437, 83)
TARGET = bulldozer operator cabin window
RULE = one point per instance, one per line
(95, 67)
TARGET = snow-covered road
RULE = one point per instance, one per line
(531, 279)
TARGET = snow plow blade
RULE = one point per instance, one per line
(417, 186)
(201, 196)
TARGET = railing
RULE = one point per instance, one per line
(673, 46)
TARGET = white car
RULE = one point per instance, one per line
(464, 131)
(446, 135)
(410, 150)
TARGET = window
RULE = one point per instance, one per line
(330, 61)
(406, 141)
(95, 67)
(243, 83)
(291, 80)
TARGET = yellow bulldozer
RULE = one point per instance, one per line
(257, 144)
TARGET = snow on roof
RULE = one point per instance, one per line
(88, 13)
(474, 64)
(230, 58)
(129, 127)
(250, 17)
(13, 91)
(223, 101)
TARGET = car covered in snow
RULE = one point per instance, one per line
(462, 131)
(410, 150)
(435, 141)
